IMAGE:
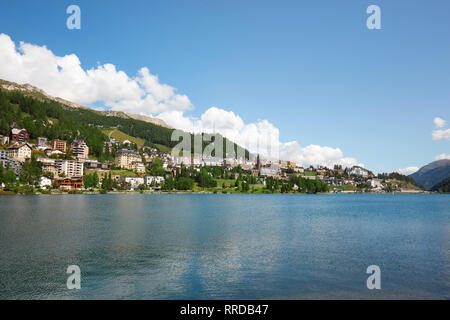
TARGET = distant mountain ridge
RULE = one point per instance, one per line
(433, 173)
(443, 186)
(39, 93)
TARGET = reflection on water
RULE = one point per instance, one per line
(224, 246)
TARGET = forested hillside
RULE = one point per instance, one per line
(48, 118)
(442, 187)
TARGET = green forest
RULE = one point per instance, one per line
(443, 186)
(47, 118)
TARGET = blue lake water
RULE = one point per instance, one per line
(225, 246)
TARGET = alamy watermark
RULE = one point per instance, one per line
(213, 149)
(74, 280)
(74, 20)
(374, 280)
(374, 20)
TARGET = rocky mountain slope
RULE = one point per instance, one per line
(432, 173)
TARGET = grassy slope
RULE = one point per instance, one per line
(121, 136)
(160, 147)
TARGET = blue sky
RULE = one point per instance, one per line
(311, 68)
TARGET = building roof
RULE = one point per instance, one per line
(18, 146)
(17, 131)
(78, 142)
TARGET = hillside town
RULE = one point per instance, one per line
(52, 166)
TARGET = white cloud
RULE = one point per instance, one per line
(260, 137)
(65, 78)
(144, 94)
(443, 156)
(315, 155)
(439, 122)
(408, 171)
(441, 134)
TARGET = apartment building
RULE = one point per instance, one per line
(49, 165)
(20, 152)
(138, 166)
(4, 155)
(153, 180)
(291, 165)
(19, 136)
(41, 143)
(45, 182)
(270, 170)
(80, 149)
(134, 182)
(358, 171)
(70, 168)
(127, 159)
(59, 145)
(7, 162)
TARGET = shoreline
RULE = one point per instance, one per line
(10, 193)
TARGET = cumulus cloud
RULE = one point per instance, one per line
(439, 122)
(64, 77)
(443, 156)
(260, 137)
(441, 134)
(315, 155)
(408, 171)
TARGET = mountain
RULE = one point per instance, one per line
(442, 187)
(140, 117)
(432, 173)
(42, 115)
(41, 94)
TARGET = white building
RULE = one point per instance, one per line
(4, 139)
(358, 171)
(41, 143)
(126, 158)
(155, 180)
(375, 183)
(50, 152)
(270, 170)
(4, 155)
(45, 182)
(134, 182)
(70, 168)
(20, 152)
(6, 162)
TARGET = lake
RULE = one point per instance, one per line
(225, 246)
